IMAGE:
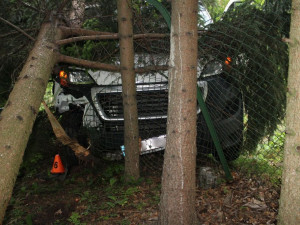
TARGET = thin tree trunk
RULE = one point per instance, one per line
(107, 67)
(131, 134)
(77, 13)
(18, 116)
(289, 210)
(177, 205)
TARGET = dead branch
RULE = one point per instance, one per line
(150, 35)
(107, 37)
(106, 67)
(287, 40)
(14, 32)
(85, 38)
(81, 152)
(87, 63)
(67, 31)
(17, 28)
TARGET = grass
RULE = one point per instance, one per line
(267, 160)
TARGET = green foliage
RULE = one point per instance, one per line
(112, 181)
(75, 219)
(267, 159)
(271, 149)
(253, 38)
(112, 170)
(146, 18)
(215, 8)
(119, 196)
(28, 220)
(250, 165)
(102, 15)
(116, 201)
(125, 222)
(89, 50)
(91, 24)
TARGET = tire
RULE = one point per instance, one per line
(71, 121)
(230, 154)
(225, 105)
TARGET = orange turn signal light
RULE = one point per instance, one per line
(63, 78)
(62, 75)
(228, 61)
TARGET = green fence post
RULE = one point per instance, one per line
(213, 133)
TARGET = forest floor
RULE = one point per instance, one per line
(98, 195)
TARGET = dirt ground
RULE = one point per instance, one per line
(89, 196)
(99, 195)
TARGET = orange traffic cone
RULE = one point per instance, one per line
(57, 167)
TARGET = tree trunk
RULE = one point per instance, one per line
(131, 133)
(18, 116)
(77, 13)
(177, 205)
(289, 210)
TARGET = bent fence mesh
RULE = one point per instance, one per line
(242, 74)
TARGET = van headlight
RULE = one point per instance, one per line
(212, 68)
(80, 77)
(74, 77)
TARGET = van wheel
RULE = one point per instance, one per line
(71, 121)
(230, 154)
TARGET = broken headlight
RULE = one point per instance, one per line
(74, 77)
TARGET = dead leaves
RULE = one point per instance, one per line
(244, 201)
(256, 204)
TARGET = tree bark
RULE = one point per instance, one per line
(105, 66)
(67, 31)
(289, 210)
(131, 133)
(77, 13)
(18, 116)
(177, 204)
(108, 37)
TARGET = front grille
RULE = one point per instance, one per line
(149, 103)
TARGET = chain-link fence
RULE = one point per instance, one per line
(242, 76)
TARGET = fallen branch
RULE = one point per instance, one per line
(79, 31)
(17, 28)
(86, 38)
(81, 152)
(107, 37)
(88, 64)
(14, 32)
(106, 67)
